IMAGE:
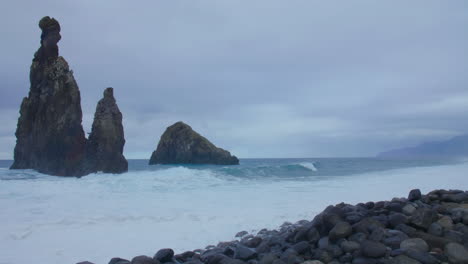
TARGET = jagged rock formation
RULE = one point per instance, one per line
(106, 141)
(50, 137)
(181, 145)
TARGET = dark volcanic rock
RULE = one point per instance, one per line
(415, 244)
(244, 253)
(384, 235)
(106, 142)
(373, 249)
(414, 195)
(456, 253)
(118, 261)
(164, 255)
(340, 230)
(423, 217)
(181, 145)
(143, 260)
(50, 137)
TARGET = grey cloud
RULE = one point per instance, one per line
(261, 78)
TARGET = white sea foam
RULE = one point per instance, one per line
(308, 165)
(66, 220)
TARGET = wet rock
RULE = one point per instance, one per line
(323, 243)
(279, 261)
(184, 256)
(455, 198)
(432, 241)
(377, 234)
(454, 236)
(263, 247)
(49, 135)
(193, 261)
(322, 255)
(445, 222)
(421, 256)
(396, 219)
(367, 225)
(242, 233)
(268, 258)
(104, 149)
(143, 260)
(392, 242)
(244, 253)
(408, 209)
(415, 244)
(408, 230)
(358, 237)
(301, 247)
(340, 230)
(181, 145)
(334, 250)
(362, 260)
(414, 195)
(313, 235)
(435, 229)
(252, 242)
(312, 262)
(350, 246)
(346, 258)
(423, 217)
(373, 249)
(456, 253)
(164, 255)
(119, 261)
(402, 259)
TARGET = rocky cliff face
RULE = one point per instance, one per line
(106, 141)
(50, 137)
(181, 145)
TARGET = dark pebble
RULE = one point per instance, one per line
(244, 253)
(143, 260)
(119, 261)
(373, 249)
(164, 255)
(414, 195)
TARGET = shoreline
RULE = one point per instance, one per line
(431, 228)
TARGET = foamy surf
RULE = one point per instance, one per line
(308, 165)
(66, 220)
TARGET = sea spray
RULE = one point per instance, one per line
(104, 215)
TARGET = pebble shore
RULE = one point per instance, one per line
(428, 229)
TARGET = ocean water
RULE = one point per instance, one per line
(49, 219)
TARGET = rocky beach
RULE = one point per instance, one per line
(429, 228)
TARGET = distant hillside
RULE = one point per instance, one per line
(454, 147)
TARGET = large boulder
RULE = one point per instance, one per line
(106, 141)
(50, 137)
(181, 145)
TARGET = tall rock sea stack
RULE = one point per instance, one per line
(50, 137)
(181, 145)
(106, 141)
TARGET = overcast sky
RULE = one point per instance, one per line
(267, 78)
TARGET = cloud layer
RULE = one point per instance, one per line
(264, 78)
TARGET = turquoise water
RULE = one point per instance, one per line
(301, 168)
(100, 216)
